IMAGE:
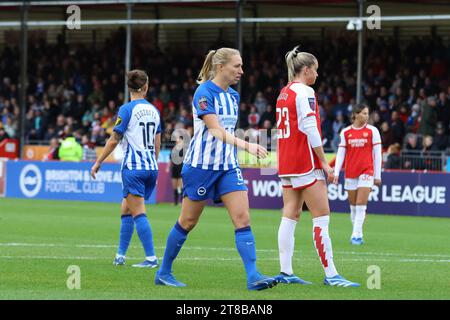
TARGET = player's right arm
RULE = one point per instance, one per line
(123, 118)
(303, 103)
(340, 157)
(111, 144)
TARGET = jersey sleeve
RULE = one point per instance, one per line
(342, 143)
(203, 102)
(123, 118)
(306, 103)
(376, 138)
(158, 128)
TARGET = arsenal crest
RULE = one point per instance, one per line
(365, 134)
(203, 103)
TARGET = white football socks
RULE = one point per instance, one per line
(352, 214)
(286, 241)
(359, 221)
(322, 242)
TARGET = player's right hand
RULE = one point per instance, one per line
(95, 169)
(329, 171)
(259, 151)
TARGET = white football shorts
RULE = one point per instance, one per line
(302, 182)
(363, 181)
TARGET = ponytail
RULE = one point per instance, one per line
(213, 59)
(296, 60)
(206, 72)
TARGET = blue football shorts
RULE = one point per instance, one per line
(138, 182)
(200, 184)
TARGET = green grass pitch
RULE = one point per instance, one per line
(40, 239)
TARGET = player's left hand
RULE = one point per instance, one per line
(95, 169)
(377, 182)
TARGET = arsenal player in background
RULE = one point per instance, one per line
(301, 166)
(360, 147)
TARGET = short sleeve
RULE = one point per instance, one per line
(306, 103)
(203, 102)
(342, 143)
(376, 138)
(158, 130)
(123, 118)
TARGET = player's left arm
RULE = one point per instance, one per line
(377, 157)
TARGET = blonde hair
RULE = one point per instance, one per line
(296, 60)
(213, 59)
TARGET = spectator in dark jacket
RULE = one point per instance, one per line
(393, 160)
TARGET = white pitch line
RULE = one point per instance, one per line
(216, 259)
(57, 245)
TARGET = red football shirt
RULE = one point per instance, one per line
(295, 103)
(359, 144)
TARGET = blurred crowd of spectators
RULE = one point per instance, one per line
(77, 90)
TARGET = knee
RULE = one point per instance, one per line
(292, 212)
(241, 219)
(188, 223)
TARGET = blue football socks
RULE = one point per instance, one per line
(245, 244)
(144, 232)
(175, 240)
(126, 232)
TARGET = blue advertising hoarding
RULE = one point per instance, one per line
(64, 181)
(402, 193)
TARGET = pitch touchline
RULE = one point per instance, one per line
(18, 244)
(215, 259)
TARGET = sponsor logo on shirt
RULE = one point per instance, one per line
(355, 143)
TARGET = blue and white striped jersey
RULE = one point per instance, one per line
(139, 122)
(205, 151)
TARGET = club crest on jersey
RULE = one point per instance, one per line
(118, 121)
(312, 103)
(201, 191)
(203, 103)
(365, 134)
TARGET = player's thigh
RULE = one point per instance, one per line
(237, 205)
(124, 207)
(292, 203)
(352, 194)
(190, 213)
(135, 204)
(316, 198)
(363, 196)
